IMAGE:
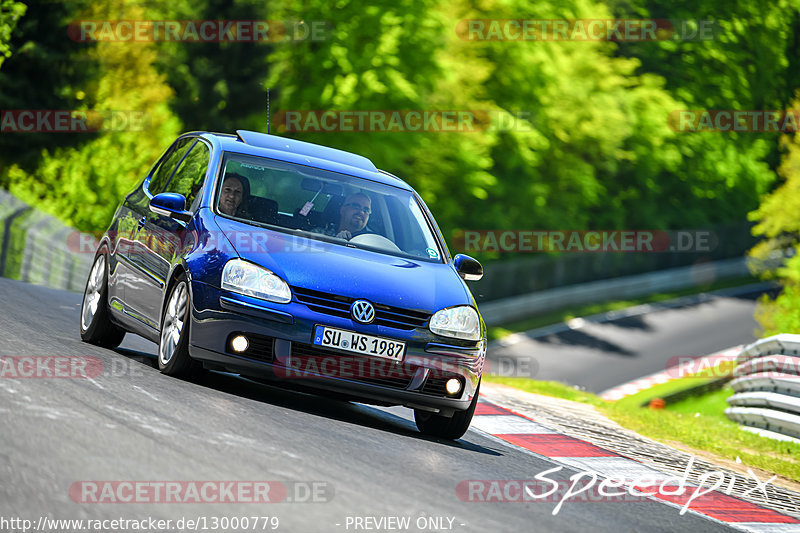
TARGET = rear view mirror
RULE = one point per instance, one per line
(315, 185)
(170, 204)
(468, 268)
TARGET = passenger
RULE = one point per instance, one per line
(234, 196)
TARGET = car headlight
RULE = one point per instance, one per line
(253, 280)
(461, 322)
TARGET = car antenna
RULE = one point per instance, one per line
(267, 110)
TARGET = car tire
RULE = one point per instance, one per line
(95, 321)
(447, 427)
(173, 346)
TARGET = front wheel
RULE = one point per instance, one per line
(447, 427)
(96, 325)
(173, 347)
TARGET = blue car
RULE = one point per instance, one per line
(297, 264)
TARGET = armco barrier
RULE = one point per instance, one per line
(767, 386)
(784, 364)
(498, 312)
(768, 382)
(536, 272)
(34, 248)
(769, 419)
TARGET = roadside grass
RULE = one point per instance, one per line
(546, 388)
(695, 380)
(697, 423)
(711, 404)
(562, 315)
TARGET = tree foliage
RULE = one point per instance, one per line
(779, 225)
(10, 13)
(577, 134)
(83, 183)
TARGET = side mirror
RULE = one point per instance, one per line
(468, 268)
(170, 204)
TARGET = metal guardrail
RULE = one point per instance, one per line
(768, 382)
(35, 248)
(767, 419)
(530, 273)
(498, 312)
(768, 400)
(783, 344)
(784, 364)
(767, 386)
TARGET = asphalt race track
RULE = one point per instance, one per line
(601, 355)
(132, 423)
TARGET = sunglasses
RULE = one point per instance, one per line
(360, 207)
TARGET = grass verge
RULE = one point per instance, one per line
(562, 315)
(694, 422)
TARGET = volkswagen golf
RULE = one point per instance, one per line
(294, 263)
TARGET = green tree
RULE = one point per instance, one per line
(392, 55)
(779, 225)
(83, 185)
(10, 13)
(217, 86)
(47, 71)
(749, 63)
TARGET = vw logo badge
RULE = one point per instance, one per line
(362, 311)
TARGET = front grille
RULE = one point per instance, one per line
(260, 347)
(322, 302)
(385, 315)
(371, 370)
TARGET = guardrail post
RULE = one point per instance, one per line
(7, 235)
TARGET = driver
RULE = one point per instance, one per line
(353, 217)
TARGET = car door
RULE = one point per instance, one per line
(166, 237)
(146, 284)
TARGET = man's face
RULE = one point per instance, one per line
(231, 196)
(354, 214)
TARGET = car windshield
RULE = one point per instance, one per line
(325, 205)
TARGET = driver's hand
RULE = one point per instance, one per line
(344, 234)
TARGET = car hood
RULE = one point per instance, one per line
(346, 271)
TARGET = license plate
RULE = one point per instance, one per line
(350, 341)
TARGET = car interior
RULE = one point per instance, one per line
(274, 198)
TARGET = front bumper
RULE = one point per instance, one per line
(281, 351)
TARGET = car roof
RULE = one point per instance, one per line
(303, 153)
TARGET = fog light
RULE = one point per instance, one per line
(239, 343)
(453, 386)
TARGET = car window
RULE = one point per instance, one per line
(188, 179)
(325, 205)
(161, 176)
